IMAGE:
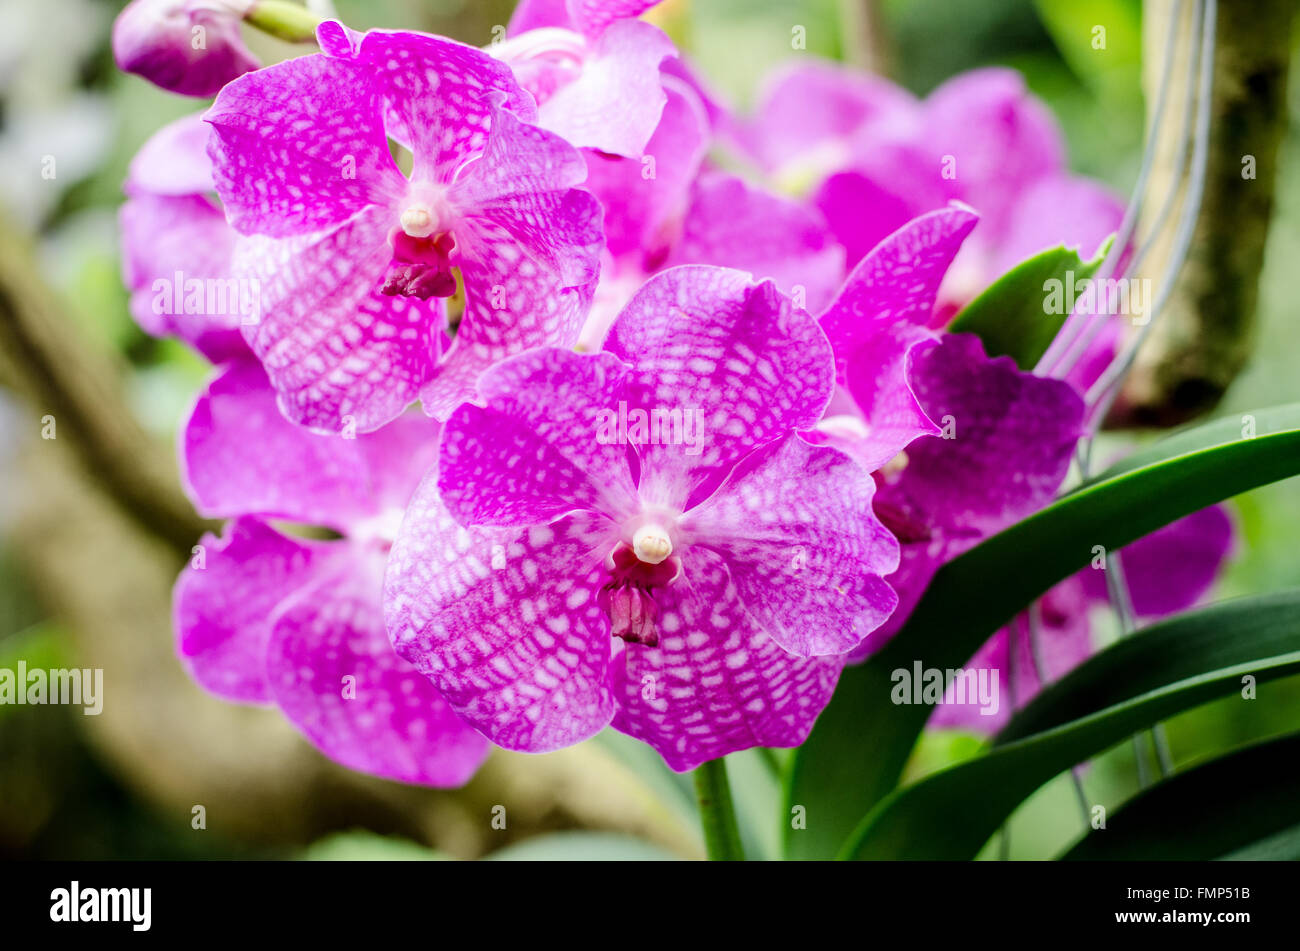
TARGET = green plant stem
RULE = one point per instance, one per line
(772, 762)
(717, 815)
(283, 20)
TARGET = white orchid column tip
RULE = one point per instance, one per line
(418, 221)
(651, 544)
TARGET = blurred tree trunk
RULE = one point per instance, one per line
(1205, 335)
(103, 529)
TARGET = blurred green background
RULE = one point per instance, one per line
(79, 586)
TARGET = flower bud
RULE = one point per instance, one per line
(190, 47)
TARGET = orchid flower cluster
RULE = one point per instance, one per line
(684, 440)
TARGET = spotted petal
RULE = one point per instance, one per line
(439, 96)
(239, 455)
(300, 146)
(224, 601)
(529, 245)
(341, 354)
(717, 682)
(805, 551)
(505, 622)
(878, 319)
(333, 672)
(737, 355)
(543, 443)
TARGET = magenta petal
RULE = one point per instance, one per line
(809, 110)
(1001, 139)
(615, 101)
(716, 682)
(529, 246)
(918, 561)
(733, 224)
(541, 446)
(155, 39)
(644, 195)
(589, 16)
(737, 355)
(439, 95)
(524, 184)
(888, 185)
(224, 601)
(879, 318)
(1172, 568)
(806, 552)
(594, 16)
(335, 675)
(513, 303)
(1057, 210)
(1013, 434)
(300, 146)
(171, 246)
(505, 622)
(897, 283)
(240, 455)
(342, 355)
(538, 14)
(1064, 641)
(174, 160)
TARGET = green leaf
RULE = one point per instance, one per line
(1240, 805)
(1011, 317)
(1160, 671)
(1283, 846)
(861, 742)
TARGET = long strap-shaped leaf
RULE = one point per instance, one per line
(1243, 804)
(1202, 655)
(858, 748)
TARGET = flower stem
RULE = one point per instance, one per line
(717, 815)
(283, 20)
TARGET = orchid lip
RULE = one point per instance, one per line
(629, 597)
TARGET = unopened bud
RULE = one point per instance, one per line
(190, 47)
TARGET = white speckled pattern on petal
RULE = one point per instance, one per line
(716, 682)
(439, 95)
(333, 672)
(340, 353)
(300, 146)
(809, 564)
(223, 602)
(505, 622)
(710, 341)
(534, 451)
